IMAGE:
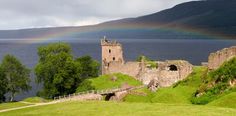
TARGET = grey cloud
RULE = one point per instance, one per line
(40, 13)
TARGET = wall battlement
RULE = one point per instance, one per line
(218, 58)
(105, 42)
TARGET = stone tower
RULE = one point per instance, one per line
(111, 52)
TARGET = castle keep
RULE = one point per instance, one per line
(164, 73)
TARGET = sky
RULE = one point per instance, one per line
(18, 14)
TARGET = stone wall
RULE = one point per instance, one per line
(164, 74)
(145, 74)
(218, 58)
(129, 68)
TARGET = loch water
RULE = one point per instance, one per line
(194, 51)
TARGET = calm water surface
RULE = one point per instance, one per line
(195, 51)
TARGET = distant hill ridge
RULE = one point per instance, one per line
(213, 16)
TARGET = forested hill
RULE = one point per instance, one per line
(211, 16)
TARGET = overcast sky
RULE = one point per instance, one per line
(15, 14)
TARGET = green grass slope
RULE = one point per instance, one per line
(106, 82)
(181, 92)
(142, 95)
(216, 83)
(228, 100)
(120, 109)
(35, 100)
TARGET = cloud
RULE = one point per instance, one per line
(43, 13)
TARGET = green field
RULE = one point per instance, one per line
(120, 109)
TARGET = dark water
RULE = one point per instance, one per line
(195, 51)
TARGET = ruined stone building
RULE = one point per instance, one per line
(165, 73)
(218, 58)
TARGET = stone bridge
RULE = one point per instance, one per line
(109, 94)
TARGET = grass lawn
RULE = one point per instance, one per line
(120, 109)
(106, 82)
(12, 105)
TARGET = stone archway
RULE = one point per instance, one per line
(109, 96)
(173, 68)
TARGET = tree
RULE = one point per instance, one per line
(89, 67)
(3, 85)
(59, 72)
(17, 75)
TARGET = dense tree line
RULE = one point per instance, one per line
(58, 71)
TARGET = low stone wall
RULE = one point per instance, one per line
(167, 78)
(147, 75)
(129, 68)
(218, 58)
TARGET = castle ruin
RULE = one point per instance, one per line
(165, 73)
(215, 60)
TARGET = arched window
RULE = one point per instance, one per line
(173, 68)
(114, 58)
(109, 50)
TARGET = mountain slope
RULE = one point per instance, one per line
(207, 17)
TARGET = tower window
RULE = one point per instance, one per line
(109, 50)
(114, 58)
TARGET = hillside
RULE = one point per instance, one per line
(217, 83)
(196, 19)
(113, 81)
(110, 81)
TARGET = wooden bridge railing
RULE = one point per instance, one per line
(101, 92)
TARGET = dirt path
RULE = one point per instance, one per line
(30, 105)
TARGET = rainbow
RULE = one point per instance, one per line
(158, 27)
